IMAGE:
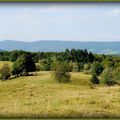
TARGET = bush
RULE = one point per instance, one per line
(107, 77)
(80, 66)
(61, 72)
(116, 74)
(47, 64)
(62, 77)
(38, 67)
(94, 79)
(87, 66)
(75, 67)
(5, 72)
(97, 68)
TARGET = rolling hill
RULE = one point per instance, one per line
(47, 45)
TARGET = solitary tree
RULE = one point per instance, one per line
(61, 72)
(23, 65)
(5, 72)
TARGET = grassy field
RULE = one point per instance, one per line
(41, 97)
(5, 62)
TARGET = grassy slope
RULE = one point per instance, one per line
(41, 96)
(5, 62)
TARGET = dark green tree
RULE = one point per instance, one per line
(23, 65)
(94, 79)
(74, 54)
(97, 68)
(14, 55)
(91, 57)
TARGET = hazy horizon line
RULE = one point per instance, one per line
(59, 41)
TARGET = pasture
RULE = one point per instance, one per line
(6, 62)
(41, 96)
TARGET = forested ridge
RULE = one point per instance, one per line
(59, 46)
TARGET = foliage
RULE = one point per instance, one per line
(47, 64)
(74, 55)
(116, 74)
(5, 72)
(107, 77)
(75, 67)
(14, 55)
(108, 62)
(38, 67)
(87, 66)
(61, 72)
(91, 57)
(97, 68)
(23, 65)
(76, 59)
(80, 66)
(94, 79)
(16, 69)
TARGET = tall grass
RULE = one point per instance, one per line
(40, 96)
(6, 62)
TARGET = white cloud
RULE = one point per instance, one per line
(115, 12)
(59, 22)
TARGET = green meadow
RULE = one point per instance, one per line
(40, 96)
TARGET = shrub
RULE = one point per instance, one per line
(61, 72)
(87, 66)
(38, 67)
(116, 74)
(94, 79)
(75, 67)
(97, 68)
(5, 72)
(46, 63)
(80, 66)
(107, 77)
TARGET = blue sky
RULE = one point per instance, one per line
(79, 22)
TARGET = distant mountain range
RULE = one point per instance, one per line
(42, 45)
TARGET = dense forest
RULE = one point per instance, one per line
(24, 62)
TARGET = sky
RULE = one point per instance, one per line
(60, 21)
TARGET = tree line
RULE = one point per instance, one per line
(103, 68)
